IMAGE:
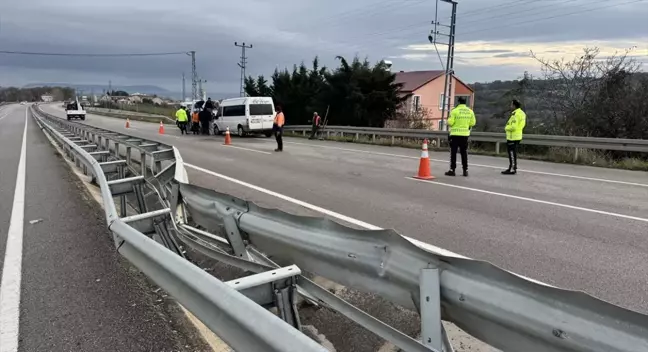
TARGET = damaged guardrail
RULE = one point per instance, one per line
(498, 307)
(239, 321)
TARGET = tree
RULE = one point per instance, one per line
(355, 93)
(594, 96)
(118, 93)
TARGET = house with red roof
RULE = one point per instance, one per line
(424, 90)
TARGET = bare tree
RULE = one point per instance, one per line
(583, 92)
(416, 119)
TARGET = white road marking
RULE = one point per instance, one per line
(629, 217)
(12, 267)
(3, 116)
(422, 245)
(478, 165)
(248, 149)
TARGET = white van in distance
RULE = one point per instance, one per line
(248, 115)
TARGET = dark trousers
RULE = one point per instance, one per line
(183, 126)
(314, 132)
(460, 143)
(512, 148)
(278, 137)
(204, 127)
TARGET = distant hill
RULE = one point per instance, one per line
(99, 89)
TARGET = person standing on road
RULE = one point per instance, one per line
(195, 123)
(514, 128)
(317, 122)
(209, 104)
(277, 126)
(461, 121)
(181, 119)
(205, 118)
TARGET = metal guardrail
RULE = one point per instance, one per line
(498, 307)
(630, 145)
(238, 320)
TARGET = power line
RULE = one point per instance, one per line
(89, 55)
(416, 27)
(480, 10)
(525, 10)
(419, 30)
(552, 17)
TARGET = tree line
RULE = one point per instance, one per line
(34, 94)
(355, 93)
(588, 95)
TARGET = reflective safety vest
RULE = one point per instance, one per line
(515, 125)
(461, 120)
(279, 119)
(181, 115)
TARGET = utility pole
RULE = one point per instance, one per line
(109, 88)
(184, 95)
(200, 87)
(194, 75)
(243, 64)
(447, 103)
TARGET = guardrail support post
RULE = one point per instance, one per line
(576, 154)
(143, 163)
(497, 147)
(392, 140)
(430, 307)
(122, 199)
(373, 138)
(128, 156)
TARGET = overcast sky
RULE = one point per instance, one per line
(493, 36)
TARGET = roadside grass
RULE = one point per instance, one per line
(561, 155)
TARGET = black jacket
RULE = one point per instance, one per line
(204, 116)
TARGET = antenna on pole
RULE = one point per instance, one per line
(433, 37)
(243, 64)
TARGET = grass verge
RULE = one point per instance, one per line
(561, 155)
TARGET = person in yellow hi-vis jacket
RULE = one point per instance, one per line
(514, 128)
(182, 119)
(461, 121)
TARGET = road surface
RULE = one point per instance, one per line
(571, 226)
(66, 288)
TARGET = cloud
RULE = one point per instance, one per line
(490, 39)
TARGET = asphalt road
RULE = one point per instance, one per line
(571, 226)
(76, 293)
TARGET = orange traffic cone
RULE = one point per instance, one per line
(127, 123)
(424, 171)
(228, 138)
(161, 129)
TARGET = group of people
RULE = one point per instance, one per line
(203, 114)
(462, 120)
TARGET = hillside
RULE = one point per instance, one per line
(98, 89)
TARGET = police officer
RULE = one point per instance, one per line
(514, 128)
(181, 119)
(461, 121)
